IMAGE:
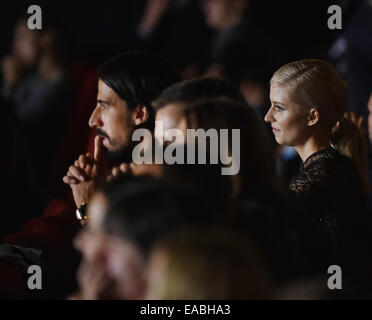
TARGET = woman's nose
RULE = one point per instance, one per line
(268, 116)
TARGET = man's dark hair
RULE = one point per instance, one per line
(138, 78)
(140, 209)
(190, 91)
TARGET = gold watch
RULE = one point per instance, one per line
(81, 213)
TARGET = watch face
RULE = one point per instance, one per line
(79, 214)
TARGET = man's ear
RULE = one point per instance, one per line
(313, 117)
(140, 115)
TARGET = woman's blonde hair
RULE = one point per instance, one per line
(207, 263)
(314, 83)
(349, 140)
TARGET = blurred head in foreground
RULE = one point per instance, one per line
(206, 264)
(126, 216)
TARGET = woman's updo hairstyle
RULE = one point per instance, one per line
(316, 84)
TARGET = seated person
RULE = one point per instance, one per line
(126, 217)
(128, 83)
(308, 98)
(207, 264)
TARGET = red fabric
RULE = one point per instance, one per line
(53, 233)
(55, 228)
(58, 224)
(84, 79)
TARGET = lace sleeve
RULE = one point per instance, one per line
(312, 176)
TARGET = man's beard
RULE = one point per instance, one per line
(123, 154)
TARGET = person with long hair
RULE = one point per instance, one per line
(349, 140)
(308, 98)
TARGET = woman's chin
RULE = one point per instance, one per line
(279, 141)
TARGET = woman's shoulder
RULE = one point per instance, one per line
(321, 157)
(332, 168)
(329, 159)
(325, 169)
(320, 165)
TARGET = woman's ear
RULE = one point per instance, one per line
(140, 115)
(313, 117)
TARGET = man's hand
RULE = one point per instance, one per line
(83, 175)
(123, 170)
(132, 169)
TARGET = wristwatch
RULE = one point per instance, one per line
(81, 213)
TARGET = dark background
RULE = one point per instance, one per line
(100, 29)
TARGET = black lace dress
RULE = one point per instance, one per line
(329, 186)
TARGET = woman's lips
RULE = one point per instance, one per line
(275, 130)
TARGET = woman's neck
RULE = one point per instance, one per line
(311, 146)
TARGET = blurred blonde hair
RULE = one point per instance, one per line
(348, 139)
(207, 264)
(314, 83)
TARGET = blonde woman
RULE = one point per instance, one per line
(308, 98)
(205, 264)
